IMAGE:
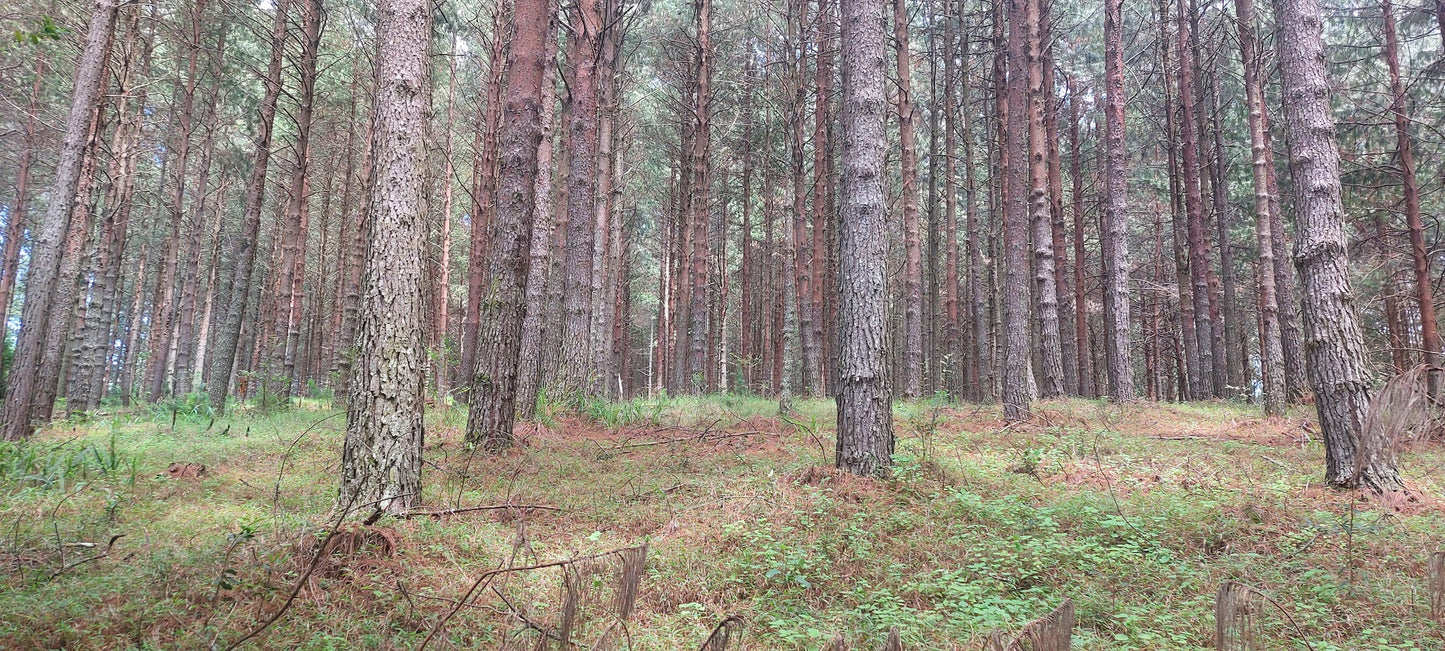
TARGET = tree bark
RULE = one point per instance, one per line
(1083, 349)
(1271, 357)
(484, 186)
(575, 375)
(1115, 229)
(865, 416)
(1405, 156)
(913, 254)
(45, 253)
(493, 393)
(381, 457)
(1045, 279)
(1335, 344)
(1019, 390)
(529, 364)
(1194, 210)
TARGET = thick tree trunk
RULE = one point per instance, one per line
(700, 202)
(529, 364)
(575, 373)
(381, 457)
(484, 186)
(1045, 279)
(1019, 390)
(865, 416)
(494, 382)
(41, 311)
(1115, 231)
(1335, 345)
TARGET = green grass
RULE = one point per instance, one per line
(1138, 514)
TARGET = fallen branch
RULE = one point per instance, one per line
(472, 509)
(705, 436)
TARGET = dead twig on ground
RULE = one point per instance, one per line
(472, 509)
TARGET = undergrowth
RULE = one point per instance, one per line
(1137, 513)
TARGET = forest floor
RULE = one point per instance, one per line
(1137, 513)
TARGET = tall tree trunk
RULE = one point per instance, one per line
(381, 457)
(1405, 156)
(44, 277)
(1271, 357)
(700, 201)
(163, 318)
(1045, 279)
(1290, 337)
(184, 380)
(1082, 347)
(441, 287)
(1194, 209)
(1062, 275)
(494, 383)
(529, 364)
(291, 276)
(951, 127)
(865, 415)
(105, 290)
(1019, 389)
(228, 335)
(913, 255)
(484, 185)
(574, 378)
(824, 212)
(1335, 345)
(1115, 232)
(801, 265)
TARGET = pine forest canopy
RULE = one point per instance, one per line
(996, 201)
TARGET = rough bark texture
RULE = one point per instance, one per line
(1116, 222)
(1019, 389)
(1334, 343)
(484, 187)
(700, 200)
(575, 372)
(494, 382)
(45, 253)
(1046, 290)
(865, 416)
(381, 458)
(529, 365)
